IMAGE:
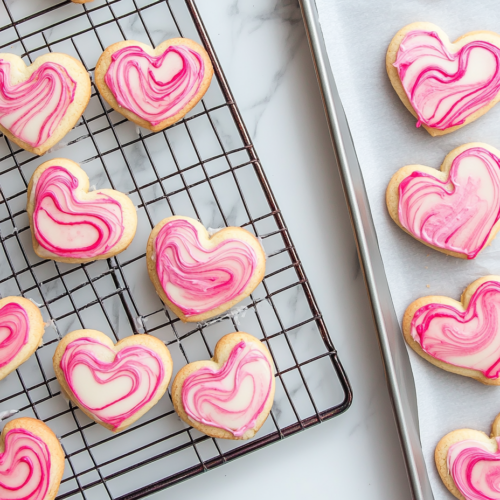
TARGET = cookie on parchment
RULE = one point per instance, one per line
(459, 337)
(455, 210)
(444, 85)
(468, 462)
(69, 223)
(154, 87)
(231, 395)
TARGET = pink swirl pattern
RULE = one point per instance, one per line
(14, 331)
(155, 88)
(469, 339)
(458, 214)
(445, 88)
(24, 467)
(33, 109)
(195, 279)
(70, 227)
(233, 397)
(112, 391)
(475, 469)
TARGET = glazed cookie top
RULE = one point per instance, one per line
(232, 397)
(443, 87)
(33, 109)
(456, 214)
(25, 466)
(139, 81)
(14, 331)
(111, 385)
(198, 279)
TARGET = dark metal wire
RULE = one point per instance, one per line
(115, 269)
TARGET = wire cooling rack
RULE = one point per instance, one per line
(205, 167)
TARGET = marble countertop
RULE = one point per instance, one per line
(264, 52)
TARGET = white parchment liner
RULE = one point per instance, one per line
(357, 34)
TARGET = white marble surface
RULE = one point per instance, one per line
(263, 50)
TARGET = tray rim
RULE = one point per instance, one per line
(395, 358)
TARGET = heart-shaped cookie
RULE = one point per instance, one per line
(41, 103)
(460, 337)
(69, 223)
(154, 87)
(231, 395)
(456, 210)
(31, 461)
(444, 85)
(199, 276)
(21, 332)
(468, 462)
(112, 384)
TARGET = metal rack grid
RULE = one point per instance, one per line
(220, 182)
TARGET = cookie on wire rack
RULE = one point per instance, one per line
(42, 102)
(199, 276)
(231, 395)
(154, 88)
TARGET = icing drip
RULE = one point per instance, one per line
(155, 87)
(14, 331)
(196, 279)
(233, 397)
(111, 386)
(445, 88)
(475, 469)
(32, 110)
(469, 339)
(24, 467)
(69, 227)
(458, 214)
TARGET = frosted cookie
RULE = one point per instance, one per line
(444, 85)
(198, 276)
(454, 210)
(468, 462)
(41, 103)
(231, 395)
(31, 461)
(154, 87)
(459, 337)
(21, 332)
(112, 384)
(69, 223)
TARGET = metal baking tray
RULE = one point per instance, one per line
(393, 350)
(206, 167)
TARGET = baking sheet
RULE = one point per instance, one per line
(357, 35)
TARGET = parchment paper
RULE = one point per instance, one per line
(357, 34)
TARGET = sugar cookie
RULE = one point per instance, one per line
(444, 85)
(31, 461)
(154, 87)
(460, 337)
(468, 462)
(199, 276)
(455, 210)
(21, 332)
(112, 384)
(231, 395)
(41, 103)
(69, 223)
